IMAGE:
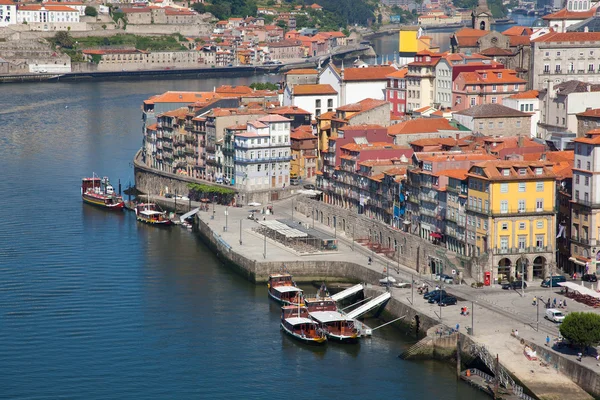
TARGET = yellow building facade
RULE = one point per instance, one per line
(511, 219)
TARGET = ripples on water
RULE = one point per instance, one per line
(94, 305)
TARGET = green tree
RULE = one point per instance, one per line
(199, 7)
(64, 39)
(264, 86)
(282, 24)
(91, 11)
(220, 10)
(379, 18)
(581, 328)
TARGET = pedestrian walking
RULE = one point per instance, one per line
(555, 302)
(579, 355)
(560, 304)
(547, 340)
(457, 327)
(534, 300)
(565, 303)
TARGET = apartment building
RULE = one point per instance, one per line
(485, 87)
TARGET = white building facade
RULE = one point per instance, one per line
(8, 12)
(262, 154)
(46, 14)
(316, 99)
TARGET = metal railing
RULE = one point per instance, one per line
(524, 250)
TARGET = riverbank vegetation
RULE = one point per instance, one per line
(73, 46)
(497, 7)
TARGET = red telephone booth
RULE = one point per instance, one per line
(487, 278)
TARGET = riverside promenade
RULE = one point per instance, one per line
(495, 312)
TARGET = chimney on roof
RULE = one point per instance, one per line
(543, 157)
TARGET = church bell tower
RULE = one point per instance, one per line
(482, 16)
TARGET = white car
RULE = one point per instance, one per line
(554, 315)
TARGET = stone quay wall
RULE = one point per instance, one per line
(410, 250)
(584, 377)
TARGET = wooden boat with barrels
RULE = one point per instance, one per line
(296, 323)
(282, 288)
(149, 214)
(336, 326)
(99, 192)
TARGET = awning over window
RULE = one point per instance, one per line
(435, 235)
(576, 261)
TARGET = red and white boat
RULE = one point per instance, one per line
(149, 214)
(283, 289)
(296, 323)
(99, 192)
(338, 328)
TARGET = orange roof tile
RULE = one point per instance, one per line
(454, 173)
(492, 76)
(492, 170)
(178, 113)
(327, 116)
(360, 127)
(309, 90)
(373, 146)
(519, 40)
(233, 89)
(569, 37)
(590, 113)
(301, 134)
(372, 73)
(563, 170)
(518, 31)
(401, 73)
(560, 156)
(181, 97)
(530, 94)
(436, 157)
(363, 105)
(420, 125)
(395, 171)
(288, 110)
(566, 14)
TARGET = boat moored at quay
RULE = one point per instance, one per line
(99, 192)
(296, 323)
(149, 214)
(282, 288)
(336, 326)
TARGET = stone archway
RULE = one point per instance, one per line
(482, 25)
(504, 266)
(522, 269)
(539, 267)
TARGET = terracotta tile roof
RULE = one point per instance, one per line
(518, 31)
(519, 41)
(468, 37)
(363, 105)
(573, 86)
(559, 156)
(233, 89)
(327, 116)
(492, 170)
(309, 90)
(178, 113)
(436, 157)
(420, 125)
(274, 118)
(590, 113)
(37, 7)
(591, 137)
(563, 170)
(530, 94)
(569, 37)
(496, 51)
(360, 127)
(401, 73)
(492, 76)
(372, 73)
(373, 146)
(395, 171)
(226, 112)
(454, 173)
(285, 43)
(566, 14)
(301, 134)
(302, 71)
(492, 111)
(422, 109)
(436, 142)
(152, 127)
(288, 110)
(241, 127)
(181, 97)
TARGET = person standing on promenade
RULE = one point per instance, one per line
(534, 300)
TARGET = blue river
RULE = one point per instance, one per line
(96, 306)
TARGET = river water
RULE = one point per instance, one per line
(94, 305)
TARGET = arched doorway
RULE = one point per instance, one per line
(504, 270)
(539, 267)
(521, 268)
(482, 25)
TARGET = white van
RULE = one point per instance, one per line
(554, 315)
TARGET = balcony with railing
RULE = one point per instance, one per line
(584, 241)
(523, 250)
(586, 203)
(247, 160)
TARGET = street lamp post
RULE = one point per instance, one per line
(241, 220)
(472, 319)
(213, 203)
(292, 210)
(313, 215)
(335, 227)
(523, 259)
(226, 215)
(353, 225)
(265, 246)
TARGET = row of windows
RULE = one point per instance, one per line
(522, 225)
(527, 107)
(475, 88)
(394, 94)
(500, 125)
(259, 167)
(588, 164)
(522, 241)
(329, 103)
(571, 68)
(539, 187)
(586, 180)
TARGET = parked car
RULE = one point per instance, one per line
(169, 195)
(428, 295)
(554, 315)
(556, 279)
(445, 278)
(590, 278)
(514, 285)
(309, 186)
(436, 298)
(447, 301)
